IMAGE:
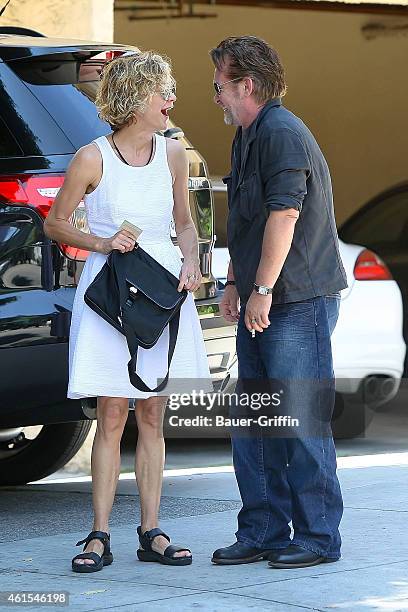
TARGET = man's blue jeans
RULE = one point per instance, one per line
(283, 479)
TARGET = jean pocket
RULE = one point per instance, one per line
(296, 315)
(332, 309)
(335, 296)
(294, 309)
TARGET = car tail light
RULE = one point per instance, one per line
(370, 267)
(39, 192)
(110, 55)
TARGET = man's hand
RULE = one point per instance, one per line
(257, 312)
(229, 305)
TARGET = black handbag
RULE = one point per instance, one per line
(138, 297)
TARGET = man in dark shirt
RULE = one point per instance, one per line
(283, 289)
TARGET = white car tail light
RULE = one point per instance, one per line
(369, 266)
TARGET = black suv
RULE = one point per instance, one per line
(47, 111)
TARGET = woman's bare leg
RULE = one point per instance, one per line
(111, 417)
(149, 464)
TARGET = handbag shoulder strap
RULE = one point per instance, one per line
(133, 348)
(131, 338)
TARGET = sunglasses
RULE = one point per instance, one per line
(218, 86)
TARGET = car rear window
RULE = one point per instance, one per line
(380, 225)
(66, 86)
(8, 146)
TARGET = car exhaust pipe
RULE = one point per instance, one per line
(9, 434)
(379, 389)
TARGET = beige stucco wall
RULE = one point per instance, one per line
(352, 92)
(82, 19)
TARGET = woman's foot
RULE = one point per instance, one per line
(160, 544)
(93, 546)
(93, 558)
(155, 546)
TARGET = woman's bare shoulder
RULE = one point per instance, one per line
(86, 165)
(175, 148)
(177, 156)
(89, 154)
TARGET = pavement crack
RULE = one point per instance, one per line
(373, 509)
(199, 594)
(284, 603)
(102, 580)
(156, 599)
(313, 575)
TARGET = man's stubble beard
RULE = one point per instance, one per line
(229, 118)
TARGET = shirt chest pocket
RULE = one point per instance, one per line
(249, 197)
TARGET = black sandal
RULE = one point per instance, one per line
(167, 558)
(98, 561)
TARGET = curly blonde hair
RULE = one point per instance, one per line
(128, 84)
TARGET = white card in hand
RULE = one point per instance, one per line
(131, 228)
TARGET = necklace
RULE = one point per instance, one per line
(124, 160)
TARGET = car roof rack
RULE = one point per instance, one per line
(20, 31)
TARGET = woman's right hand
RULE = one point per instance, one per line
(122, 241)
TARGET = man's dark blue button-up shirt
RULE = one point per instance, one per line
(281, 166)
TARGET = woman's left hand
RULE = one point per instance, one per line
(190, 275)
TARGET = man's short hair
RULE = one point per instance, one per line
(250, 56)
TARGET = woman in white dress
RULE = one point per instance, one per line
(132, 174)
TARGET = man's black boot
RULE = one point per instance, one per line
(240, 553)
(295, 557)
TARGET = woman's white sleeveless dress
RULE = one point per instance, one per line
(98, 353)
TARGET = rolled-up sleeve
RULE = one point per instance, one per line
(285, 168)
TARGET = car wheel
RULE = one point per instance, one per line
(37, 452)
(351, 417)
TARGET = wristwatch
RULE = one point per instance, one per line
(229, 282)
(262, 289)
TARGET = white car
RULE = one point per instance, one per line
(368, 345)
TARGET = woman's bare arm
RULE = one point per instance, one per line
(82, 176)
(185, 228)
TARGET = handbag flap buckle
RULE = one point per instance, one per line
(132, 295)
(165, 299)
